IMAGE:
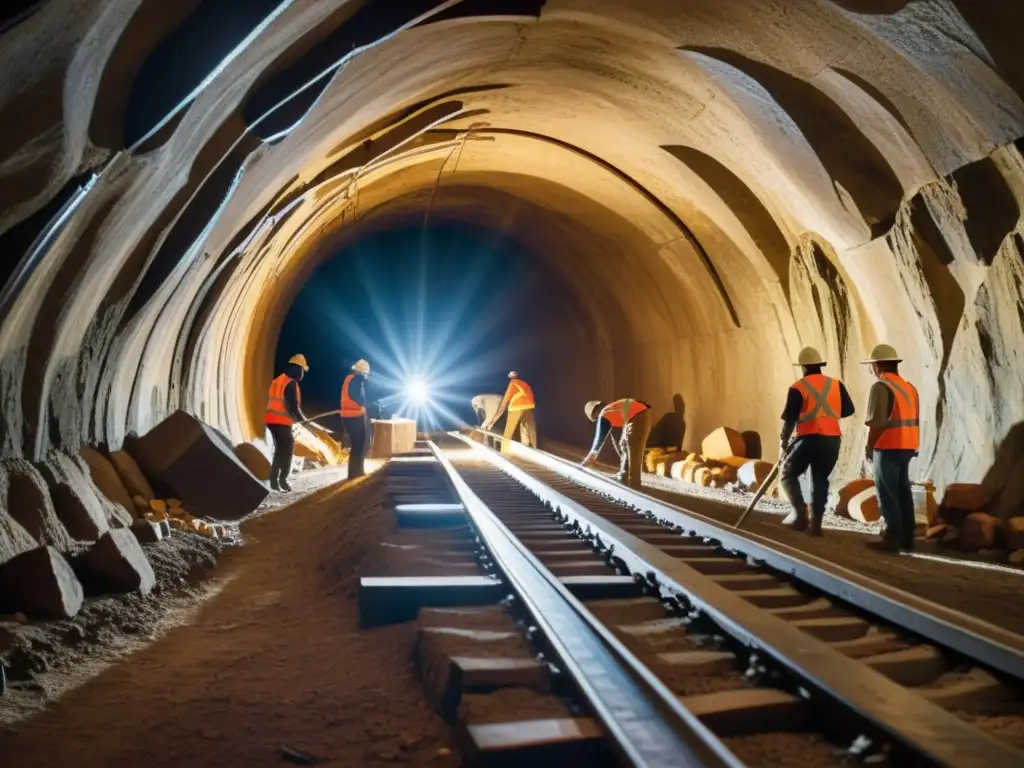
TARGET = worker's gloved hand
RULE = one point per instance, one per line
(869, 453)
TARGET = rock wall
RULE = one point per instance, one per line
(709, 187)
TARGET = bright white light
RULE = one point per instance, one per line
(416, 391)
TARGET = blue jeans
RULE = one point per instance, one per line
(895, 497)
(819, 453)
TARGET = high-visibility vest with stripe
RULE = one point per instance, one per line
(277, 408)
(521, 395)
(349, 407)
(903, 431)
(823, 404)
(620, 412)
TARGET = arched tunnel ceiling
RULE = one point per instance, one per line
(717, 183)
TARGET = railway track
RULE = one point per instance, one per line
(711, 657)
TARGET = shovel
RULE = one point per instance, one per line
(762, 490)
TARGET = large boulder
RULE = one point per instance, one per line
(14, 539)
(115, 563)
(195, 464)
(848, 491)
(978, 530)
(751, 474)
(254, 460)
(105, 477)
(40, 584)
(723, 443)
(863, 506)
(960, 500)
(27, 497)
(74, 498)
(134, 481)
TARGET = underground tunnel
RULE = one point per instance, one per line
(647, 200)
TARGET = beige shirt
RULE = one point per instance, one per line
(880, 404)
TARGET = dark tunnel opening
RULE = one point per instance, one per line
(453, 305)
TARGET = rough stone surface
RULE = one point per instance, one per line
(853, 176)
(148, 532)
(76, 502)
(197, 466)
(27, 498)
(40, 584)
(105, 477)
(863, 506)
(115, 563)
(254, 460)
(14, 539)
(134, 481)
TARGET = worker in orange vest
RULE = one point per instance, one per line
(520, 423)
(633, 417)
(894, 438)
(355, 418)
(814, 406)
(284, 408)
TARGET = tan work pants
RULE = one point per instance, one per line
(631, 449)
(520, 425)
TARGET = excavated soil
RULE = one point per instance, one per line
(963, 585)
(272, 658)
(787, 750)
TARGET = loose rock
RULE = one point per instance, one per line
(28, 501)
(131, 475)
(115, 563)
(979, 530)
(864, 506)
(105, 477)
(723, 443)
(147, 532)
(848, 491)
(40, 584)
(74, 500)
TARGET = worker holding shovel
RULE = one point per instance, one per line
(814, 406)
(284, 409)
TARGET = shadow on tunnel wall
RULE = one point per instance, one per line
(1004, 481)
(670, 429)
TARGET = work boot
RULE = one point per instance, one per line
(285, 487)
(816, 524)
(797, 519)
(273, 484)
(884, 544)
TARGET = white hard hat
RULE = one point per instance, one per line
(299, 360)
(883, 353)
(591, 409)
(810, 356)
(361, 366)
(513, 375)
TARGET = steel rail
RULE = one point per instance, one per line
(646, 722)
(906, 717)
(984, 643)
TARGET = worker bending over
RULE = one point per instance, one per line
(633, 417)
(814, 406)
(894, 424)
(520, 423)
(355, 418)
(485, 406)
(284, 409)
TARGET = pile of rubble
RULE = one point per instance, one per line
(962, 521)
(726, 460)
(74, 526)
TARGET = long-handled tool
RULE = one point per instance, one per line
(762, 490)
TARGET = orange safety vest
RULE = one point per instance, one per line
(521, 396)
(822, 406)
(349, 407)
(903, 432)
(277, 408)
(620, 412)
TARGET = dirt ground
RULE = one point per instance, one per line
(966, 585)
(269, 656)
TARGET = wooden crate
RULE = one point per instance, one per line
(392, 436)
